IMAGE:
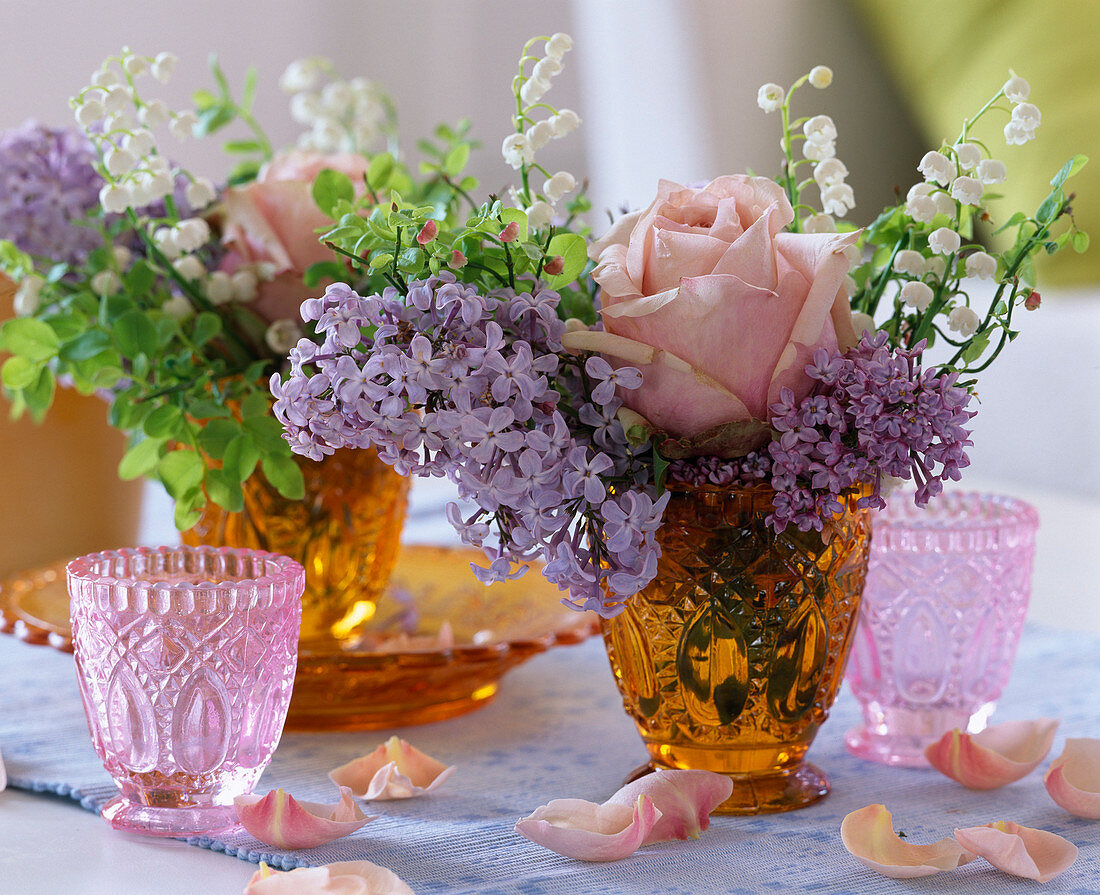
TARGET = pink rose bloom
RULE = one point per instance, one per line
(719, 307)
(274, 220)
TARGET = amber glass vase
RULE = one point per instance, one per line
(345, 532)
(731, 658)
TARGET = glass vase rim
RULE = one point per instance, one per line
(946, 513)
(287, 570)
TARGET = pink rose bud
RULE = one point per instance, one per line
(457, 259)
(1033, 300)
(427, 233)
(554, 266)
(509, 233)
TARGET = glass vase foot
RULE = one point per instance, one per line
(767, 792)
(145, 820)
(898, 737)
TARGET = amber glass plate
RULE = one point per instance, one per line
(410, 669)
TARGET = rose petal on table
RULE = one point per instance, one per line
(998, 755)
(1021, 851)
(685, 800)
(1073, 779)
(869, 835)
(280, 820)
(395, 770)
(590, 832)
(341, 878)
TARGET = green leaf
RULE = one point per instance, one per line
(181, 471)
(330, 187)
(39, 394)
(204, 408)
(456, 160)
(267, 434)
(239, 147)
(187, 514)
(245, 172)
(141, 459)
(377, 261)
(285, 476)
(380, 170)
(574, 255)
(331, 270)
(1080, 242)
(977, 345)
(1048, 211)
(256, 404)
(19, 372)
(241, 457)
(163, 422)
(206, 326)
(30, 337)
(660, 471)
(203, 99)
(86, 346)
(213, 119)
(1067, 170)
(224, 490)
(249, 92)
(508, 215)
(1018, 218)
(135, 334)
(216, 436)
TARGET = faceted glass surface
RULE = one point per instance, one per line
(946, 596)
(731, 658)
(185, 659)
(345, 532)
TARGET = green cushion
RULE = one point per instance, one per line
(949, 56)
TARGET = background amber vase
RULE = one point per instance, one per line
(59, 480)
(345, 531)
(731, 658)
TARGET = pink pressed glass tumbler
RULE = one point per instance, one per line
(942, 612)
(185, 658)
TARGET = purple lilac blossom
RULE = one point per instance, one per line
(48, 185)
(445, 381)
(874, 414)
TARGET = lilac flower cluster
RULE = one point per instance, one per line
(446, 381)
(48, 183)
(875, 414)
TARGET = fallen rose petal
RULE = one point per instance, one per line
(685, 800)
(280, 820)
(1073, 779)
(869, 835)
(590, 832)
(341, 878)
(395, 770)
(1021, 851)
(998, 755)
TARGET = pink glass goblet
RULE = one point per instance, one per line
(942, 612)
(185, 658)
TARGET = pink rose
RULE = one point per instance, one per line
(274, 220)
(719, 307)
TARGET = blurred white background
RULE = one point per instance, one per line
(665, 88)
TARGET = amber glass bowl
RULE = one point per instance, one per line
(406, 668)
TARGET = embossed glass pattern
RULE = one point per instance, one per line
(731, 658)
(185, 660)
(946, 596)
(345, 531)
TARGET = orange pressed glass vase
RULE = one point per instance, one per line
(730, 659)
(345, 531)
